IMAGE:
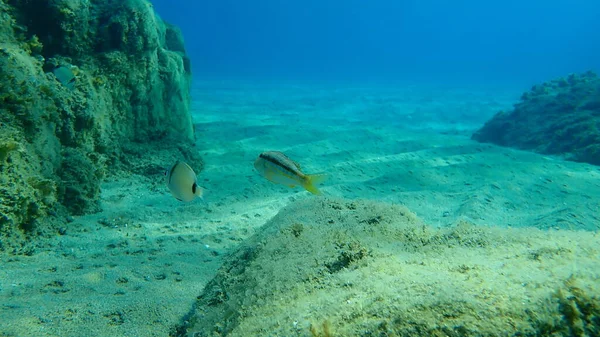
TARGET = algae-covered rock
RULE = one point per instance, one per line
(80, 183)
(88, 90)
(560, 117)
(331, 267)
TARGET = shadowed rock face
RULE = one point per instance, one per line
(560, 117)
(127, 109)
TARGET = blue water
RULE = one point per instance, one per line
(383, 96)
(511, 41)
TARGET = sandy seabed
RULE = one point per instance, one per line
(136, 268)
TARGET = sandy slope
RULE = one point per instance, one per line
(136, 268)
(438, 172)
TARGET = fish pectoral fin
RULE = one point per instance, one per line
(270, 176)
(292, 186)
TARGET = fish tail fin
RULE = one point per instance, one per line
(312, 180)
(199, 192)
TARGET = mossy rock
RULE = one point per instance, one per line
(334, 267)
(559, 117)
(83, 83)
(81, 178)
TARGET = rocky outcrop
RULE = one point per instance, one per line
(560, 117)
(333, 267)
(88, 90)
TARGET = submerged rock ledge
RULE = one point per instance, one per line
(560, 117)
(332, 267)
(88, 90)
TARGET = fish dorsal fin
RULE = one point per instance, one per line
(291, 161)
(170, 172)
(188, 170)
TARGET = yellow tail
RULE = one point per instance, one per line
(312, 180)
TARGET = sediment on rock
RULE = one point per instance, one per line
(335, 267)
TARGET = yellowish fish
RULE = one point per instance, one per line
(278, 168)
(182, 182)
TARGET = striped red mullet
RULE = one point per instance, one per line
(280, 169)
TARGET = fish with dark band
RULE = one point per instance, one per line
(278, 168)
(182, 182)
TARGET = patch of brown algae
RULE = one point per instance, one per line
(118, 103)
(330, 267)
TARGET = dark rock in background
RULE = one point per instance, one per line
(560, 117)
(89, 90)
